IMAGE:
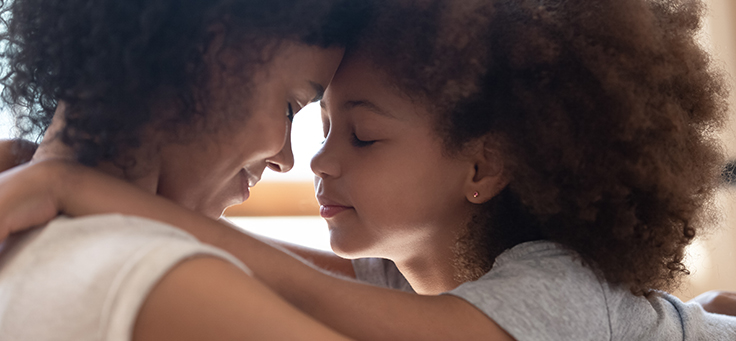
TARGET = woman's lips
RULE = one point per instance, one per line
(329, 211)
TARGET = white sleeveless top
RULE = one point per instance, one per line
(86, 278)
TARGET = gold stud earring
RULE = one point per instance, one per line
(475, 194)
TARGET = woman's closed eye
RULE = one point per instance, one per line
(289, 112)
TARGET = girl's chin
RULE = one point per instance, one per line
(347, 247)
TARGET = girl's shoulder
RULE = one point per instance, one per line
(541, 289)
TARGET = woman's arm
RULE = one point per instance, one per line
(357, 310)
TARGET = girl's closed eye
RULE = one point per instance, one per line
(357, 142)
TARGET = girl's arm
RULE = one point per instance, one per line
(28, 195)
(211, 299)
(357, 310)
(324, 260)
(718, 302)
(15, 152)
(38, 185)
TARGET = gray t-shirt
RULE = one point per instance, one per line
(541, 291)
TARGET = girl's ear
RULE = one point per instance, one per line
(488, 176)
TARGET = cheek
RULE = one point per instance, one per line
(262, 138)
(407, 193)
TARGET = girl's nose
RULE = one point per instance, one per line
(324, 163)
(284, 160)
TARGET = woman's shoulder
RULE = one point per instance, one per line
(96, 271)
(103, 225)
(103, 241)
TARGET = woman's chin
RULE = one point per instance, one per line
(213, 213)
(217, 207)
(216, 210)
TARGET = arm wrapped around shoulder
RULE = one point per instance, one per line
(15, 152)
(31, 194)
(718, 302)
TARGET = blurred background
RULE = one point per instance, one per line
(282, 206)
(712, 258)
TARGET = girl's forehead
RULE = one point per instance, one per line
(359, 78)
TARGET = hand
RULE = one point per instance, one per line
(719, 302)
(15, 152)
(28, 195)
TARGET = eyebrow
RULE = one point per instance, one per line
(319, 91)
(363, 104)
(368, 105)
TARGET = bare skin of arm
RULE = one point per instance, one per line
(718, 302)
(357, 310)
(210, 299)
(15, 152)
(324, 260)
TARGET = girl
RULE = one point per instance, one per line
(190, 100)
(533, 169)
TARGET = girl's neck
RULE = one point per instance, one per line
(430, 273)
(429, 279)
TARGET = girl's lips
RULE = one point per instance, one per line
(329, 211)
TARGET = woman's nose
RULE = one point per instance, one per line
(284, 160)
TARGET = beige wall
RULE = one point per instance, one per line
(712, 259)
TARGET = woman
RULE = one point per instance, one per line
(190, 100)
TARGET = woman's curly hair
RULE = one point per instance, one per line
(604, 112)
(114, 62)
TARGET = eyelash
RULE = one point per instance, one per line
(360, 143)
(289, 112)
